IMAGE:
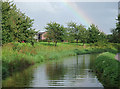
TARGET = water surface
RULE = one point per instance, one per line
(73, 71)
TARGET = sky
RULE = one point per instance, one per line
(102, 14)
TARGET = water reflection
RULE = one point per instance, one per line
(72, 71)
(21, 79)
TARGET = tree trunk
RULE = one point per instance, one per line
(77, 41)
(48, 42)
(55, 43)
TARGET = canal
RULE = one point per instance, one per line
(73, 71)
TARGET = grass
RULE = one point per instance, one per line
(18, 56)
(107, 70)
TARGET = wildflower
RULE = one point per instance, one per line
(23, 42)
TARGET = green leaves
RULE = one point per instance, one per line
(115, 36)
(107, 68)
(55, 32)
(95, 35)
(16, 26)
(78, 32)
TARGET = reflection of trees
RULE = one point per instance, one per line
(82, 65)
(21, 79)
(55, 71)
(92, 58)
(79, 66)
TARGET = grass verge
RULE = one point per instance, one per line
(107, 70)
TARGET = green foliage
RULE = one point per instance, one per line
(118, 29)
(95, 35)
(115, 36)
(18, 46)
(95, 50)
(73, 31)
(16, 26)
(14, 62)
(55, 32)
(107, 69)
(77, 32)
(17, 56)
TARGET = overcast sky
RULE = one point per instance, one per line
(102, 14)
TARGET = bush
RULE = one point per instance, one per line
(107, 69)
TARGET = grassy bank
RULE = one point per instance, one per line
(18, 56)
(107, 70)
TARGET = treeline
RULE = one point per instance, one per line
(74, 33)
(17, 27)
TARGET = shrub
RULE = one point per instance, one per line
(107, 69)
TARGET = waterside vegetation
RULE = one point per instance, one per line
(20, 49)
(18, 56)
(107, 70)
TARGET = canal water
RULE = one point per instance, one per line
(73, 71)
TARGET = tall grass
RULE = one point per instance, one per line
(17, 56)
(107, 70)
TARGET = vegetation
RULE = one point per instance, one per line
(107, 69)
(17, 56)
(95, 35)
(115, 36)
(74, 33)
(55, 32)
(77, 32)
(16, 26)
(18, 53)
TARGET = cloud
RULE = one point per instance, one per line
(66, 0)
(34, 7)
(44, 12)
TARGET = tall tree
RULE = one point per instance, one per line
(16, 26)
(55, 32)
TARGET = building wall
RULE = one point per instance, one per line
(43, 36)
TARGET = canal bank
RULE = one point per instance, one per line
(107, 70)
(73, 71)
(18, 56)
(18, 59)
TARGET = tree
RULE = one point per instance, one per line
(77, 32)
(93, 33)
(83, 34)
(116, 32)
(55, 32)
(115, 36)
(118, 28)
(16, 26)
(73, 31)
